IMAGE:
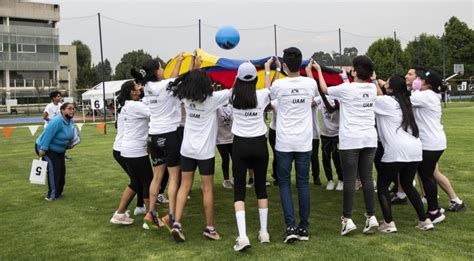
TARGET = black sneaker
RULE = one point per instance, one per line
(455, 207)
(399, 201)
(436, 218)
(303, 234)
(291, 235)
(317, 181)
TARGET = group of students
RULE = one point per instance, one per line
(178, 122)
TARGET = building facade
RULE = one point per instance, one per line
(67, 69)
(29, 51)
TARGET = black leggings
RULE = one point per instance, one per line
(329, 150)
(426, 171)
(56, 172)
(122, 164)
(272, 141)
(141, 174)
(389, 172)
(314, 159)
(225, 150)
(249, 153)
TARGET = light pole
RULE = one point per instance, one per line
(69, 80)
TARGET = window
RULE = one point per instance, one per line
(63, 67)
(26, 48)
(63, 53)
(1, 47)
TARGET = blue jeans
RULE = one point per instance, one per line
(302, 163)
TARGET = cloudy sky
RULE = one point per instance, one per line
(165, 28)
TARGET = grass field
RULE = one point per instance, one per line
(77, 226)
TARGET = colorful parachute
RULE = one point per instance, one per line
(224, 70)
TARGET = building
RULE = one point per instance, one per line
(67, 69)
(29, 51)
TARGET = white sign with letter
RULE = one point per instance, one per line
(39, 168)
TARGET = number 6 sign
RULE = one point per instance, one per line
(97, 104)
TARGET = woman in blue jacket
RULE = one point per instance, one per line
(51, 146)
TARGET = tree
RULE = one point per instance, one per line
(382, 54)
(323, 58)
(83, 64)
(133, 59)
(97, 69)
(425, 51)
(459, 42)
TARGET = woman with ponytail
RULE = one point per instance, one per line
(399, 135)
(163, 141)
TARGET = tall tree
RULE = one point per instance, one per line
(107, 70)
(459, 40)
(382, 54)
(425, 51)
(83, 64)
(133, 59)
(323, 58)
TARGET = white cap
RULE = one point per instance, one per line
(247, 72)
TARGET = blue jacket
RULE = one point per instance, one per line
(57, 135)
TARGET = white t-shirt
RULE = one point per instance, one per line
(183, 114)
(314, 112)
(118, 138)
(329, 120)
(357, 120)
(398, 144)
(251, 122)
(427, 111)
(52, 110)
(274, 114)
(136, 117)
(164, 107)
(294, 130)
(200, 131)
(224, 125)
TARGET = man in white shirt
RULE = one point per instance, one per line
(52, 109)
(294, 135)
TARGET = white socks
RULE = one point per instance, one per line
(240, 216)
(401, 195)
(263, 213)
(457, 200)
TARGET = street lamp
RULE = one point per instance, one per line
(69, 80)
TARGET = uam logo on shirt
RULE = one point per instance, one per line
(365, 95)
(295, 91)
(192, 105)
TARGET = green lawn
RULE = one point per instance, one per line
(77, 226)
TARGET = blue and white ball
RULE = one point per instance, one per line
(227, 37)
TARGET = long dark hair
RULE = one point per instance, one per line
(402, 95)
(124, 95)
(147, 72)
(244, 95)
(195, 85)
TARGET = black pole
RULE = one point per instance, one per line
(395, 50)
(102, 75)
(199, 33)
(444, 70)
(340, 49)
(275, 36)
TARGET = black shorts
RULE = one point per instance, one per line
(206, 167)
(164, 149)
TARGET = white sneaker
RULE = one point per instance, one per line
(241, 244)
(139, 211)
(331, 185)
(162, 199)
(227, 184)
(267, 184)
(425, 225)
(387, 227)
(371, 225)
(340, 186)
(264, 237)
(121, 219)
(347, 226)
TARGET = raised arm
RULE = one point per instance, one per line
(177, 66)
(268, 82)
(323, 86)
(276, 75)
